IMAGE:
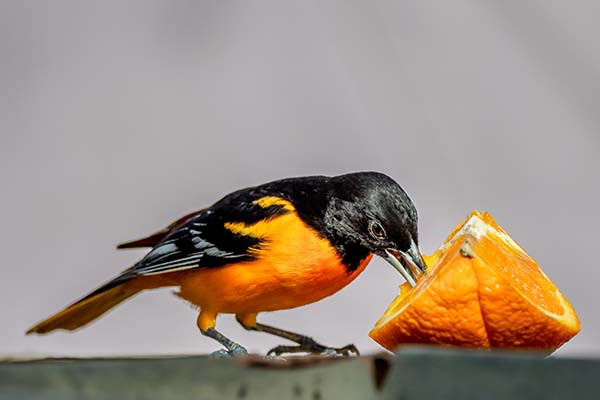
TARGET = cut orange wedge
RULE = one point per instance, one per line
(481, 289)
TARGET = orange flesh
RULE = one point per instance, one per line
(481, 290)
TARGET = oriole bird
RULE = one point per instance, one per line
(276, 246)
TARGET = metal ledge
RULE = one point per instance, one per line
(413, 373)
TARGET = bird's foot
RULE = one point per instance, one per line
(310, 346)
(233, 352)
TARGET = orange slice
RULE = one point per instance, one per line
(481, 289)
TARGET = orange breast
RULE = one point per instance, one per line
(294, 266)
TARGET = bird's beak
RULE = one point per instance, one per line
(409, 263)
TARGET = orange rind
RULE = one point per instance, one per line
(481, 289)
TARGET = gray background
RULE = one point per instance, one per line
(117, 117)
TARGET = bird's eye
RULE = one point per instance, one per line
(376, 230)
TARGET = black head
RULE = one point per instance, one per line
(371, 212)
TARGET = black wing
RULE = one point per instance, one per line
(155, 238)
(203, 241)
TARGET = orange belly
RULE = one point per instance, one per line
(293, 267)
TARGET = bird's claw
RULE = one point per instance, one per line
(236, 351)
(345, 351)
(312, 347)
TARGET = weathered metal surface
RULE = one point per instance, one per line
(184, 378)
(414, 373)
(428, 373)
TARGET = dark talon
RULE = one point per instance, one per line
(279, 350)
(351, 349)
(310, 346)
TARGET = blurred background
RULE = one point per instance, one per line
(118, 117)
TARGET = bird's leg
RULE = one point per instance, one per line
(232, 349)
(207, 322)
(306, 344)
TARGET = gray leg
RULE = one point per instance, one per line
(232, 348)
(306, 344)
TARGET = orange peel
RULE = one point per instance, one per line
(481, 289)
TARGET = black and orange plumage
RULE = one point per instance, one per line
(271, 247)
